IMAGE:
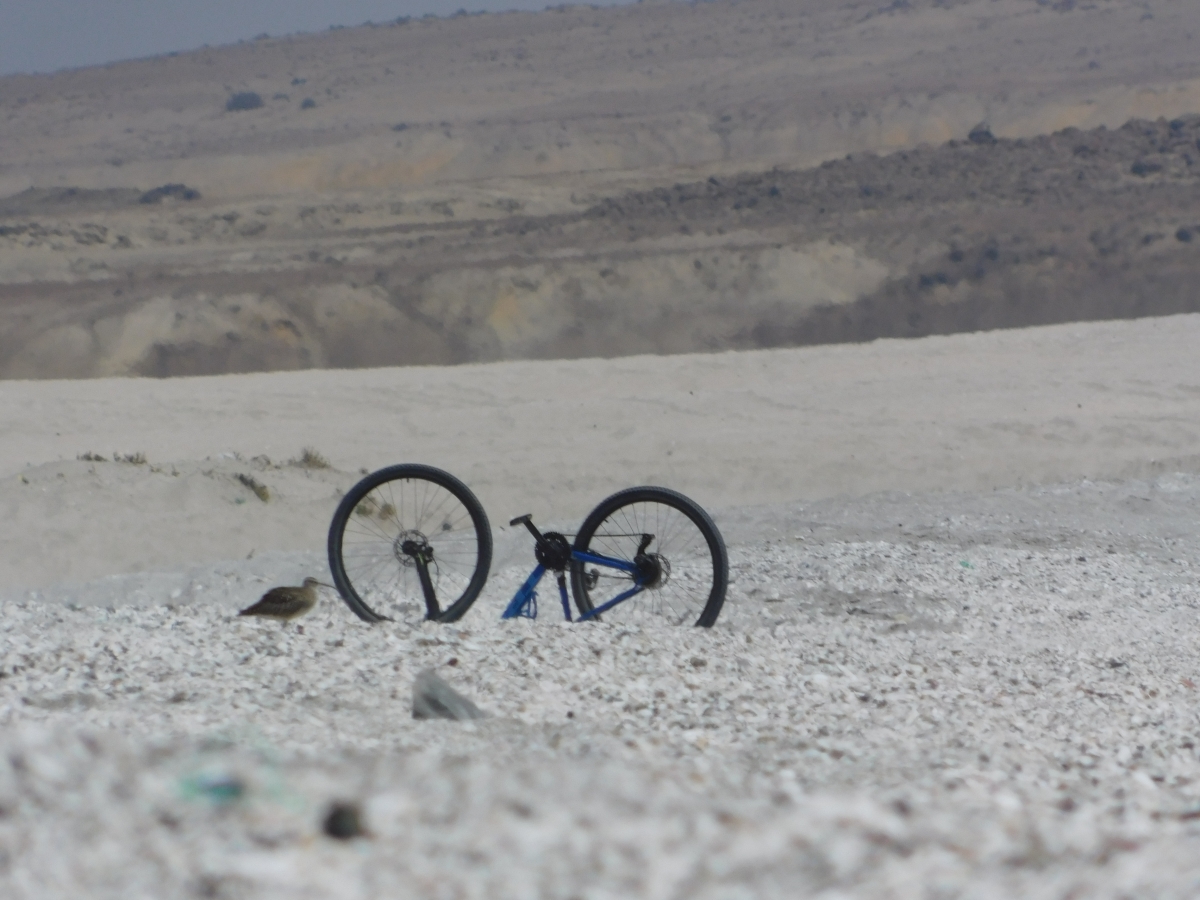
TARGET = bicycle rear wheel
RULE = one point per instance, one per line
(677, 548)
(410, 534)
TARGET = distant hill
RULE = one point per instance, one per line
(537, 184)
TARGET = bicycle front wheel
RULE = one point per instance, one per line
(410, 536)
(674, 548)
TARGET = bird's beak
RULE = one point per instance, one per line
(330, 586)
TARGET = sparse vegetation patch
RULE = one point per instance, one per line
(261, 491)
(310, 459)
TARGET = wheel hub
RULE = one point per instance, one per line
(653, 570)
(409, 545)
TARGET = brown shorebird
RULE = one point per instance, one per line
(286, 603)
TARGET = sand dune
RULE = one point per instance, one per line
(554, 438)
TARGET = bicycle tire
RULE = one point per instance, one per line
(369, 570)
(697, 578)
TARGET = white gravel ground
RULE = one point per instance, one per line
(993, 696)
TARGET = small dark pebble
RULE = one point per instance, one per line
(453, 661)
(343, 821)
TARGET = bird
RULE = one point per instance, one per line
(286, 603)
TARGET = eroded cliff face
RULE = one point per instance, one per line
(642, 179)
(973, 234)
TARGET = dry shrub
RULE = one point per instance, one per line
(310, 459)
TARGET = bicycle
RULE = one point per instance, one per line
(413, 533)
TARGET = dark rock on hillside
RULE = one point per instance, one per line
(242, 101)
(169, 192)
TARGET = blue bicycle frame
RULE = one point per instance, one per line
(524, 601)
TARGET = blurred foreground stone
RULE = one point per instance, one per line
(433, 698)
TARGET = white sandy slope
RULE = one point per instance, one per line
(973, 411)
(980, 693)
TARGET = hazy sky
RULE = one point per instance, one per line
(46, 35)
